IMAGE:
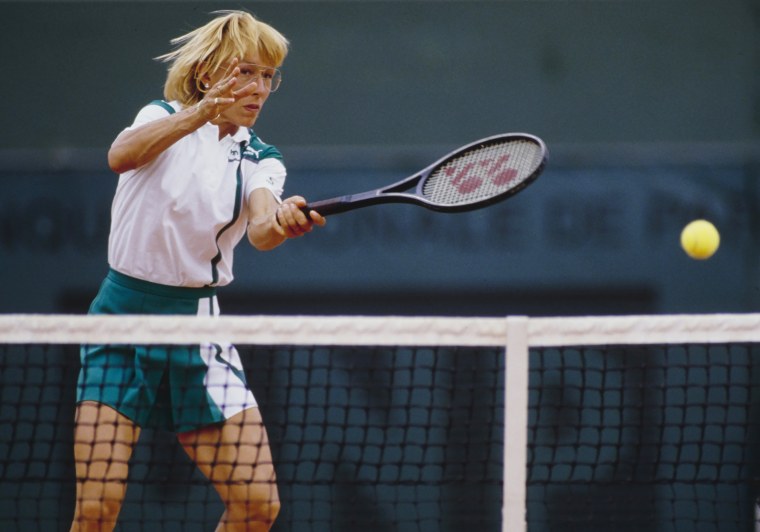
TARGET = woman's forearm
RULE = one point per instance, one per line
(137, 147)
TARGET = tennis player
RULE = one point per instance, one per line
(194, 180)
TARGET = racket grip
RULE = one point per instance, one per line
(330, 206)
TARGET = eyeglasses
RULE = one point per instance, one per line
(271, 77)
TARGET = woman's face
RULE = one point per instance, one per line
(253, 86)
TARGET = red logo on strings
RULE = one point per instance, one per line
(465, 182)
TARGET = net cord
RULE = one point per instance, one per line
(253, 330)
(379, 330)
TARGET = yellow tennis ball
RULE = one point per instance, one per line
(700, 239)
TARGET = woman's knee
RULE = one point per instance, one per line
(102, 513)
(260, 506)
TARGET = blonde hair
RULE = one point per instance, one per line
(204, 50)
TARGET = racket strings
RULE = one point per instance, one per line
(483, 172)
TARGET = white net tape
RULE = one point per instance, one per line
(262, 330)
(641, 330)
(383, 330)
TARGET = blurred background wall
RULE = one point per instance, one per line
(651, 110)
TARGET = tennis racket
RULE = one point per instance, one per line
(473, 176)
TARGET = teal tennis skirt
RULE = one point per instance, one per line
(176, 388)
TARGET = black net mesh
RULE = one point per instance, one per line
(411, 438)
(362, 438)
(628, 437)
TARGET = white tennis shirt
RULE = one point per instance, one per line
(177, 219)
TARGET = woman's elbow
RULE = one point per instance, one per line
(118, 162)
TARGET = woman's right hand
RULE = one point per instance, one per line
(219, 96)
(223, 93)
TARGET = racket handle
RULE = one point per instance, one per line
(331, 206)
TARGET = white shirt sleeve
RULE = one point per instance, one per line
(269, 174)
(149, 113)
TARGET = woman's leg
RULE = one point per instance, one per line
(236, 458)
(103, 444)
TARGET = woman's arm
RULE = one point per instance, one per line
(136, 147)
(270, 223)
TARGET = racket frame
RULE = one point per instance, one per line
(395, 192)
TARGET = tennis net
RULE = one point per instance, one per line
(389, 423)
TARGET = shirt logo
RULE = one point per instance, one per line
(251, 151)
(234, 154)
